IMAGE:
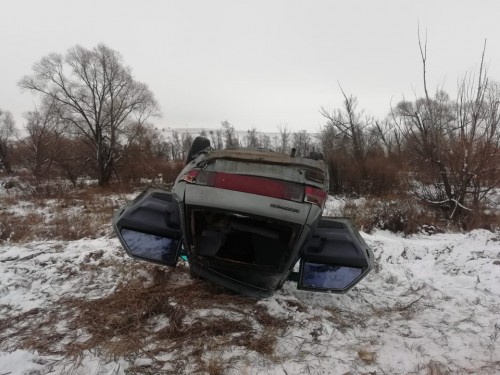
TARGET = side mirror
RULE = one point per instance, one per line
(163, 250)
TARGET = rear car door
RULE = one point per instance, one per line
(334, 258)
(149, 227)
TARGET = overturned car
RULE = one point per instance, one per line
(244, 218)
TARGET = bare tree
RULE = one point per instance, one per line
(302, 143)
(230, 135)
(187, 141)
(72, 159)
(285, 133)
(348, 139)
(216, 138)
(146, 156)
(475, 140)
(425, 137)
(453, 146)
(176, 146)
(98, 97)
(390, 135)
(162, 149)
(328, 138)
(252, 138)
(7, 129)
(276, 143)
(40, 147)
(265, 141)
(352, 130)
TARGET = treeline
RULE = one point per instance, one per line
(92, 120)
(44, 147)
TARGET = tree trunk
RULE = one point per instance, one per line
(105, 166)
(104, 176)
(4, 159)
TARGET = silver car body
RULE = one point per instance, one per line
(244, 218)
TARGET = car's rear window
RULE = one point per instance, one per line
(241, 239)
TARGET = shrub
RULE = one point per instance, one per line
(480, 218)
(378, 175)
(403, 214)
(396, 214)
(171, 171)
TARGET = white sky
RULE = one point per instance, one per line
(256, 63)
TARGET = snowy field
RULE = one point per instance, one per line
(430, 306)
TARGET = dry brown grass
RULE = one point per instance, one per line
(396, 214)
(19, 228)
(170, 314)
(437, 368)
(214, 366)
(346, 319)
(56, 224)
(142, 318)
(481, 218)
(404, 214)
(33, 329)
(76, 214)
(52, 211)
(367, 356)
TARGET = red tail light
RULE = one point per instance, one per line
(191, 176)
(257, 185)
(315, 196)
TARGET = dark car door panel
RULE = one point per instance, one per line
(334, 258)
(149, 227)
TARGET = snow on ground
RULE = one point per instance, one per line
(431, 301)
(430, 306)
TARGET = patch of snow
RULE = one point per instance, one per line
(335, 204)
(20, 362)
(430, 301)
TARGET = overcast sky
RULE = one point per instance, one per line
(257, 63)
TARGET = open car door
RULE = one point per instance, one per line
(149, 227)
(335, 257)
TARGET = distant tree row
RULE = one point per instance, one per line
(47, 149)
